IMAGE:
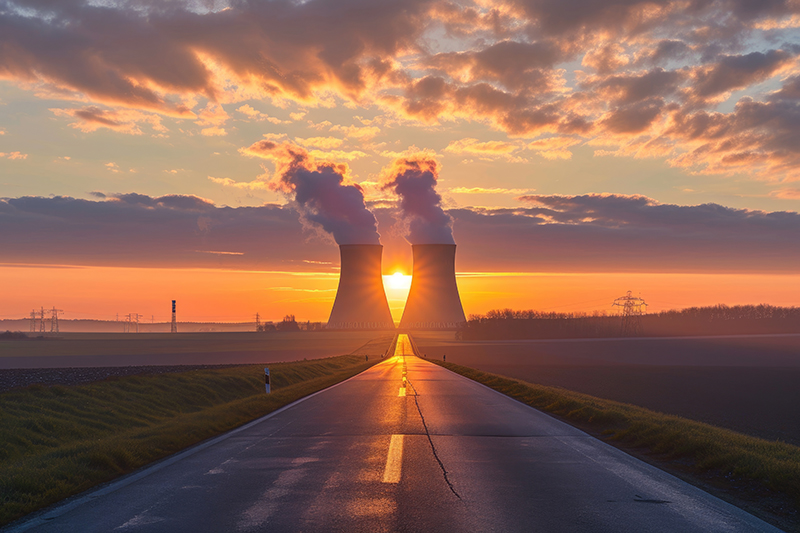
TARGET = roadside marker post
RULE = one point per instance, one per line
(266, 379)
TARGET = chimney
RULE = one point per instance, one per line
(433, 301)
(360, 300)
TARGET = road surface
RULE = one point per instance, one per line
(432, 452)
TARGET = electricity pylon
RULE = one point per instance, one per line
(632, 310)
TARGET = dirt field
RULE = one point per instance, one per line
(109, 349)
(748, 384)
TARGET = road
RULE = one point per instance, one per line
(437, 452)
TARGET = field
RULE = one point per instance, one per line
(747, 384)
(117, 349)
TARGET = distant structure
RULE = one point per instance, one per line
(632, 310)
(258, 323)
(54, 319)
(41, 320)
(33, 320)
(433, 300)
(174, 328)
(360, 299)
(132, 323)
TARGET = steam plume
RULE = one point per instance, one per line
(322, 190)
(414, 179)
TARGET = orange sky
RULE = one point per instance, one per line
(224, 295)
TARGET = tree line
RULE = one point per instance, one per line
(713, 320)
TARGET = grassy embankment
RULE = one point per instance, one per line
(774, 466)
(58, 441)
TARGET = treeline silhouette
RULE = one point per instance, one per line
(720, 319)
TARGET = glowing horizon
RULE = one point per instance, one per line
(236, 296)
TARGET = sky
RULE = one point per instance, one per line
(216, 152)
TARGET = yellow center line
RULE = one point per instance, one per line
(402, 391)
(394, 460)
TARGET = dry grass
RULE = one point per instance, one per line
(58, 441)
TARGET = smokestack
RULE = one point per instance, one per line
(433, 301)
(360, 299)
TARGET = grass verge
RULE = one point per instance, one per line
(723, 458)
(59, 441)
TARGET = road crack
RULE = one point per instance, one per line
(430, 440)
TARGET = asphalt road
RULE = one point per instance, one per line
(376, 453)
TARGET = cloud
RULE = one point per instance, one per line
(474, 146)
(326, 143)
(484, 190)
(786, 194)
(587, 233)
(13, 155)
(617, 233)
(212, 115)
(254, 114)
(528, 68)
(260, 183)
(554, 147)
(362, 133)
(736, 72)
(92, 118)
(167, 231)
(213, 132)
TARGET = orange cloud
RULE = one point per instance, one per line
(14, 155)
(473, 146)
(92, 118)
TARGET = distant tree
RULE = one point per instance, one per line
(288, 324)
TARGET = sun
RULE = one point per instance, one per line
(398, 281)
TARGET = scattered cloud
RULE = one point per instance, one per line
(554, 147)
(213, 132)
(112, 167)
(485, 190)
(255, 114)
(787, 194)
(362, 133)
(260, 183)
(92, 118)
(325, 143)
(13, 155)
(474, 146)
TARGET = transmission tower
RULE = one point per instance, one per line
(41, 320)
(258, 322)
(174, 328)
(632, 310)
(33, 321)
(54, 319)
(132, 323)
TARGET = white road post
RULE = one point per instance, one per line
(266, 379)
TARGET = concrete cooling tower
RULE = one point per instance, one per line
(360, 300)
(433, 301)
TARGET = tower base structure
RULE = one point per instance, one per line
(433, 300)
(360, 299)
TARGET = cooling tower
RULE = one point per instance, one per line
(433, 301)
(360, 300)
